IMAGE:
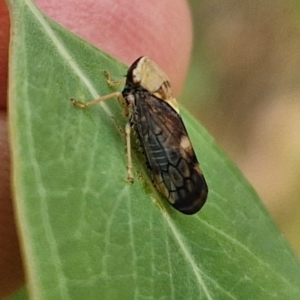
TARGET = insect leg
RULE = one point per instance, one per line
(112, 82)
(96, 101)
(129, 159)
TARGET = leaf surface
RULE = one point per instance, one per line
(87, 233)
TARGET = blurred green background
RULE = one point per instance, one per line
(244, 87)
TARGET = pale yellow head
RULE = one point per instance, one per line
(147, 74)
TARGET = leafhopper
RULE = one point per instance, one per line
(153, 114)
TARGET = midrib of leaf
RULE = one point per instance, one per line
(65, 54)
(189, 257)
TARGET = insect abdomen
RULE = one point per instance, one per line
(191, 196)
(171, 159)
(187, 193)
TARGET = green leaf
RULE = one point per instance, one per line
(20, 295)
(88, 234)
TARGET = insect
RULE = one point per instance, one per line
(154, 115)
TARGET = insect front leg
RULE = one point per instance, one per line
(96, 101)
(118, 95)
(112, 82)
(130, 176)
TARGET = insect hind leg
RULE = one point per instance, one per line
(130, 176)
(96, 101)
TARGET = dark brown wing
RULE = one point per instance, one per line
(167, 147)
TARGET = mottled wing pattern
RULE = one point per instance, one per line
(169, 152)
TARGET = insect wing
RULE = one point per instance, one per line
(167, 147)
